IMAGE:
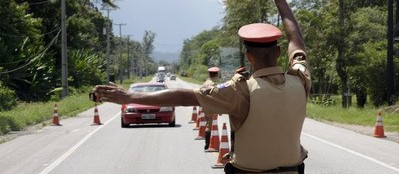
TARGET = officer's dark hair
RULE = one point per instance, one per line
(213, 74)
(266, 54)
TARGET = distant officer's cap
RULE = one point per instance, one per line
(241, 69)
(259, 34)
(214, 70)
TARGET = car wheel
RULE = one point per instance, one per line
(173, 123)
(123, 125)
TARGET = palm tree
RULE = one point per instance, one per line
(109, 2)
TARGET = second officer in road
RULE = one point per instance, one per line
(211, 81)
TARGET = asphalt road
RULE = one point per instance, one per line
(80, 147)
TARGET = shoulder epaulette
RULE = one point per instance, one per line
(238, 77)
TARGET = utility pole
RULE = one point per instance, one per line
(120, 51)
(64, 58)
(390, 52)
(128, 57)
(396, 37)
(108, 29)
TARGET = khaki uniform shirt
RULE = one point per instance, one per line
(233, 97)
(270, 136)
(226, 98)
(209, 83)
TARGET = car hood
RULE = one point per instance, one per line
(140, 106)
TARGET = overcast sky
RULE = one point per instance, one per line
(173, 21)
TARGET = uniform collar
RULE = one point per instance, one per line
(268, 71)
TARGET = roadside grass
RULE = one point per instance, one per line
(354, 116)
(191, 80)
(28, 114)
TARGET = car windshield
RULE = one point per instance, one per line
(151, 88)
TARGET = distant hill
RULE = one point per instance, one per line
(168, 57)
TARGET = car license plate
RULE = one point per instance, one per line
(148, 116)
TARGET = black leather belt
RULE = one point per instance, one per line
(235, 170)
(276, 170)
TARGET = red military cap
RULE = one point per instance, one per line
(259, 33)
(213, 69)
(241, 69)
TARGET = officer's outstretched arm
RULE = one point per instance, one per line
(169, 97)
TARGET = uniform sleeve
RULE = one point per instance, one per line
(224, 98)
(300, 67)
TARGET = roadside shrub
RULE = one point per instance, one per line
(325, 100)
(7, 124)
(4, 125)
(8, 98)
(183, 73)
(55, 94)
(85, 68)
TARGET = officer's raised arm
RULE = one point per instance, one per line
(291, 27)
(296, 47)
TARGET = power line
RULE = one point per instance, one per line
(39, 3)
(11, 35)
(34, 57)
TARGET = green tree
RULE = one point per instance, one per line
(321, 55)
(239, 13)
(148, 47)
(197, 53)
(24, 58)
(137, 56)
(84, 26)
(210, 54)
(311, 5)
(85, 68)
(343, 36)
(368, 43)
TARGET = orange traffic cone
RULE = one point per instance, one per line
(201, 131)
(96, 116)
(224, 148)
(194, 115)
(379, 128)
(198, 121)
(56, 121)
(214, 141)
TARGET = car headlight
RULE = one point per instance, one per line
(166, 109)
(130, 110)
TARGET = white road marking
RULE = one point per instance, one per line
(353, 152)
(73, 148)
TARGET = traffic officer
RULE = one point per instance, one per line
(267, 111)
(212, 80)
(268, 141)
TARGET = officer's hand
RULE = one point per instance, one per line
(112, 93)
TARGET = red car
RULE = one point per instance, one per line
(140, 114)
